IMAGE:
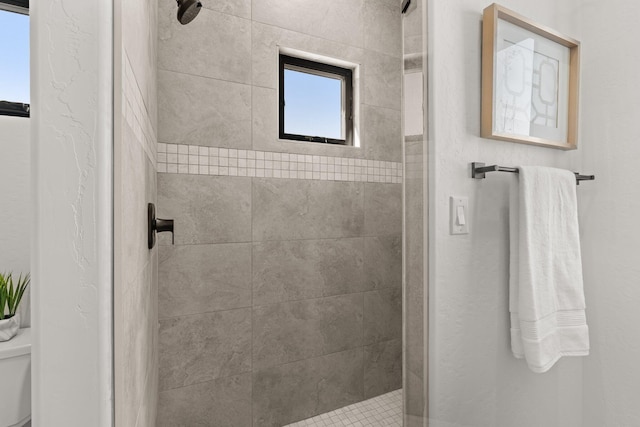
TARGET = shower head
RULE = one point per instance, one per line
(188, 10)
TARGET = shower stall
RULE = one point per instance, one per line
(282, 298)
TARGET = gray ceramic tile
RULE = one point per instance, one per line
(414, 334)
(382, 315)
(414, 259)
(412, 20)
(415, 397)
(268, 39)
(265, 119)
(414, 202)
(383, 262)
(299, 390)
(386, 18)
(148, 413)
(149, 363)
(413, 45)
(153, 296)
(206, 209)
(382, 368)
(241, 8)
(297, 330)
(203, 278)
(138, 340)
(383, 209)
(202, 347)
(382, 133)
(137, 183)
(223, 402)
(215, 45)
(296, 209)
(414, 307)
(414, 421)
(139, 42)
(299, 269)
(151, 181)
(383, 80)
(336, 20)
(203, 111)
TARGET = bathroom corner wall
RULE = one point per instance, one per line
(281, 298)
(474, 380)
(135, 170)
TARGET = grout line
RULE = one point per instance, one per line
(218, 79)
(222, 12)
(314, 36)
(238, 374)
(244, 307)
(318, 356)
(224, 310)
(313, 298)
(261, 242)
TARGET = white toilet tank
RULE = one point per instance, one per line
(15, 376)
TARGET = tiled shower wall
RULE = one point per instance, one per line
(281, 298)
(135, 183)
(415, 375)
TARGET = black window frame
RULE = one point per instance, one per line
(8, 108)
(323, 70)
(18, 3)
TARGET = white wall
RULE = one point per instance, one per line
(16, 201)
(609, 211)
(71, 265)
(474, 379)
(14, 193)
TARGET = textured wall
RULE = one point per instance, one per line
(282, 297)
(72, 145)
(474, 380)
(610, 135)
(136, 282)
(15, 179)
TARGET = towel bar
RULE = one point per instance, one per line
(478, 171)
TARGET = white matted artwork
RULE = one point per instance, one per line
(530, 82)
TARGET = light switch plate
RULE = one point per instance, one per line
(459, 215)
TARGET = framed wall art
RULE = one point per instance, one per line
(530, 81)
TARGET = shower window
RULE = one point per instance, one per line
(14, 51)
(316, 101)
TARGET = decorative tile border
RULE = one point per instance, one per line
(198, 160)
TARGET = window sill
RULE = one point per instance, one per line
(15, 109)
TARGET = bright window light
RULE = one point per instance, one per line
(14, 57)
(313, 105)
(316, 101)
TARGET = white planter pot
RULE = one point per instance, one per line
(9, 328)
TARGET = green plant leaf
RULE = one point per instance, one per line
(3, 295)
(11, 293)
(23, 282)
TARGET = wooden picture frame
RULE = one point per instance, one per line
(530, 81)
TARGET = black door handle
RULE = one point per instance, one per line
(157, 225)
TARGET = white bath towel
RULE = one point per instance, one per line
(546, 295)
